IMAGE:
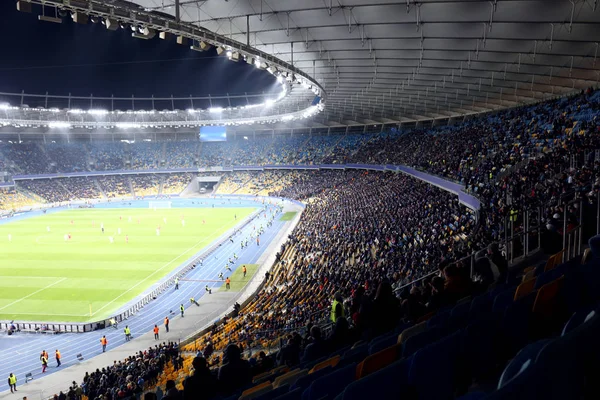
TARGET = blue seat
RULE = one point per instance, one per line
(567, 362)
(472, 396)
(503, 300)
(356, 354)
(416, 342)
(479, 344)
(281, 390)
(480, 305)
(390, 382)
(433, 370)
(459, 315)
(516, 382)
(330, 385)
(306, 380)
(547, 277)
(382, 342)
(438, 319)
(525, 359)
(539, 268)
(516, 324)
(295, 394)
(577, 320)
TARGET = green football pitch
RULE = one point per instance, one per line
(47, 276)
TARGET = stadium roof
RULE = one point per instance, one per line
(386, 61)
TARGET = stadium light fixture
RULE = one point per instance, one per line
(229, 53)
(24, 6)
(47, 18)
(215, 109)
(59, 124)
(79, 17)
(110, 24)
(145, 33)
(202, 46)
(97, 112)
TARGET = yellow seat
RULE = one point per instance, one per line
(256, 391)
(289, 378)
(332, 362)
(524, 289)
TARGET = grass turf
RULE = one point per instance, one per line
(237, 278)
(288, 216)
(44, 277)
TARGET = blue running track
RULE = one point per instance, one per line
(19, 353)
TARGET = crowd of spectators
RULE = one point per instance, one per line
(176, 183)
(181, 154)
(11, 199)
(107, 156)
(358, 228)
(144, 155)
(126, 379)
(115, 185)
(79, 188)
(68, 157)
(48, 189)
(145, 185)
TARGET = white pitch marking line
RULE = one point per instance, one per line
(36, 292)
(158, 270)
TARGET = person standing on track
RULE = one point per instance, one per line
(12, 382)
(244, 270)
(58, 356)
(176, 283)
(167, 324)
(127, 332)
(44, 364)
(155, 332)
(227, 283)
(103, 342)
(181, 308)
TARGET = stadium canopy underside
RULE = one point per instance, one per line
(386, 61)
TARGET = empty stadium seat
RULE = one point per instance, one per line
(433, 371)
(256, 391)
(331, 362)
(524, 289)
(376, 361)
(356, 354)
(332, 384)
(382, 342)
(390, 382)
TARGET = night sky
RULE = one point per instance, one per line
(38, 56)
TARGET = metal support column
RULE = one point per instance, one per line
(248, 30)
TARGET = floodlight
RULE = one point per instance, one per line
(46, 18)
(229, 53)
(24, 6)
(215, 109)
(220, 50)
(111, 24)
(202, 46)
(79, 17)
(146, 33)
(235, 56)
(94, 19)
